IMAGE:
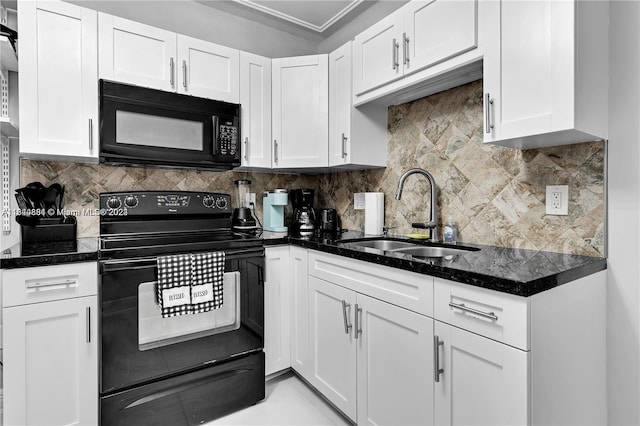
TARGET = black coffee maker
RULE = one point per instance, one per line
(304, 216)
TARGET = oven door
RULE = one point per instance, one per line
(138, 346)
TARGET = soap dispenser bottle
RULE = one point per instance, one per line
(450, 234)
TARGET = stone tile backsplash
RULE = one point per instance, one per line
(495, 194)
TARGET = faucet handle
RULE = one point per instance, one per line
(385, 229)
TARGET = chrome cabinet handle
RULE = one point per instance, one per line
(358, 319)
(488, 120)
(344, 146)
(40, 284)
(345, 316)
(394, 54)
(90, 134)
(490, 315)
(172, 72)
(405, 49)
(88, 313)
(275, 151)
(436, 359)
(246, 149)
(184, 74)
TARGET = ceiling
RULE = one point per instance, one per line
(316, 19)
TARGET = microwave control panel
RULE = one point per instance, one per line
(228, 139)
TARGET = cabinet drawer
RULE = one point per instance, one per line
(48, 283)
(499, 316)
(402, 288)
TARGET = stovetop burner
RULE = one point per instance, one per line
(145, 223)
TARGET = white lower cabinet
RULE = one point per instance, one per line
(50, 341)
(299, 310)
(480, 381)
(373, 360)
(277, 346)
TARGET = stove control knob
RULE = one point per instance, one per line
(209, 201)
(131, 201)
(221, 203)
(114, 203)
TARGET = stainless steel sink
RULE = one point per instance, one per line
(384, 245)
(432, 251)
(407, 248)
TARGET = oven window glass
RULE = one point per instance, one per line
(155, 331)
(163, 132)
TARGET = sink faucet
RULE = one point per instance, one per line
(433, 223)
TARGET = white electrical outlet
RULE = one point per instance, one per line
(557, 200)
(358, 201)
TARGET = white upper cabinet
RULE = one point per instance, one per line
(58, 80)
(417, 36)
(546, 73)
(357, 136)
(139, 54)
(208, 70)
(136, 53)
(300, 112)
(255, 101)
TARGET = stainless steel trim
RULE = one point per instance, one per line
(405, 49)
(40, 284)
(436, 359)
(275, 151)
(90, 134)
(88, 313)
(347, 326)
(358, 319)
(246, 148)
(184, 74)
(487, 113)
(462, 307)
(606, 197)
(172, 79)
(344, 146)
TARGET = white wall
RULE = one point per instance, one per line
(199, 21)
(623, 280)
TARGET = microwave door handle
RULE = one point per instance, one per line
(214, 134)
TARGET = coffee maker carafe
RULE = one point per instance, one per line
(304, 216)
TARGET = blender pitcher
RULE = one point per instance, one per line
(242, 216)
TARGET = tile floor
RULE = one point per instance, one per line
(288, 402)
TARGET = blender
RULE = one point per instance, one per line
(242, 218)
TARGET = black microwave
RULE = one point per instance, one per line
(141, 126)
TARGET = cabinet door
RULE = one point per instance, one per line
(255, 101)
(58, 79)
(377, 57)
(332, 344)
(395, 365)
(51, 363)
(528, 68)
(340, 101)
(483, 382)
(299, 311)
(301, 111)
(435, 31)
(135, 53)
(277, 346)
(208, 70)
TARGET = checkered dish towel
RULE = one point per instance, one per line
(174, 284)
(207, 281)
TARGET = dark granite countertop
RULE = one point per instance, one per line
(50, 253)
(516, 271)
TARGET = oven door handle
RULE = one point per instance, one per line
(150, 262)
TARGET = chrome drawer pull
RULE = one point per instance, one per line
(88, 313)
(462, 307)
(39, 284)
(171, 72)
(358, 320)
(488, 120)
